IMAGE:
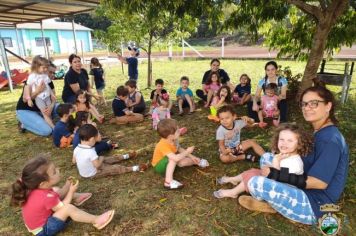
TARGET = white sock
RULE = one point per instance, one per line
(126, 156)
(135, 168)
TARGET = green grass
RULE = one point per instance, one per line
(143, 207)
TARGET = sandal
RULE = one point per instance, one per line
(82, 198)
(250, 158)
(174, 184)
(220, 180)
(217, 194)
(104, 219)
(203, 163)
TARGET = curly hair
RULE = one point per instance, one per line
(305, 140)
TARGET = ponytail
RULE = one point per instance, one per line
(33, 174)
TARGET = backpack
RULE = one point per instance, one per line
(279, 83)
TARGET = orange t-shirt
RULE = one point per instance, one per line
(163, 147)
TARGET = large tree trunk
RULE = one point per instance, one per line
(149, 66)
(315, 56)
(325, 21)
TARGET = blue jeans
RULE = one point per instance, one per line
(102, 146)
(34, 122)
(288, 200)
(53, 226)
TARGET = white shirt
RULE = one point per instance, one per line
(34, 80)
(294, 164)
(84, 155)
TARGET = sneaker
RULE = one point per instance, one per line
(143, 167)
(252, 204)
(174, 184)
(132, 155)
(183, 130)
(203, 163)
(20, 127)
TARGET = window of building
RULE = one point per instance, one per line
(7, 41)
(39, 42)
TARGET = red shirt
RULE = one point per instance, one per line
(38, 207)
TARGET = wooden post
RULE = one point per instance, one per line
(183, 50)
(222, 47)
(345, 84)
(44, 41)
(5, 63)
(75, 37)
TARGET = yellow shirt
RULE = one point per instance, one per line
(163, 147)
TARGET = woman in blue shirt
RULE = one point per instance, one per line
(325, 169)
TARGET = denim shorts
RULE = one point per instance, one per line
(53, 226)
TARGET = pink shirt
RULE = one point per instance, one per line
(214, 87)
(38, 207)
(269, 104)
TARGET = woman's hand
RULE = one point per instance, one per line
(39, 89)
(265, 171)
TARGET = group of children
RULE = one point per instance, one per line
(46, 208)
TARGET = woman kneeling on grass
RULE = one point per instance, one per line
(325, 168)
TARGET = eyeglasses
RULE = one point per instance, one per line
(310, 104)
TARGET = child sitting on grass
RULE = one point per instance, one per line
(291, 142)
(88, 162)
(135, 101)
(46, 208)
(81, 119)
(162, 112)
(62, 137)
(222, 98)
(228, 136)
(211, 87)
(168, 154)
(242, 92)
(185, 96)
(269, 106)
(122, 114)
(157, 93)
(83, 104)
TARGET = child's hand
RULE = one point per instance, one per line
(190, 149)
(73, 186)
(265, 171)
(227, 151)
(29, 103)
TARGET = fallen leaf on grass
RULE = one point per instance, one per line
(351, 200)
(211, 212)
(255, 213)
(202, 172)
(162, 200)
(221, 228)
(203, 199)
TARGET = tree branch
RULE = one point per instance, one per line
(307, 8)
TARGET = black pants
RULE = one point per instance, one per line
(282, 106)
(201, 95)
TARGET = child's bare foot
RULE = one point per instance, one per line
(104, 219)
